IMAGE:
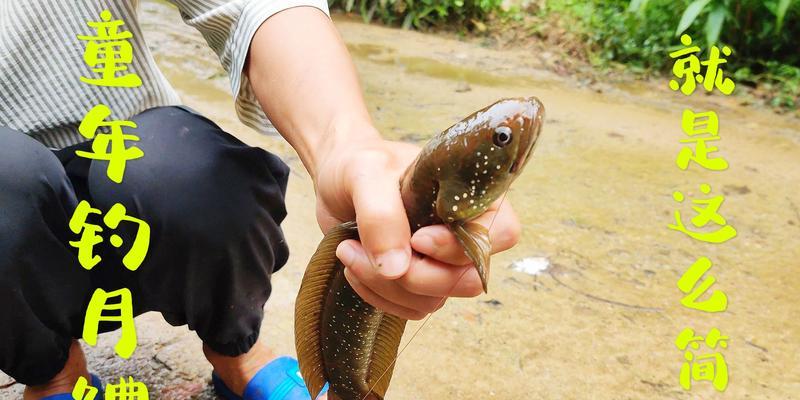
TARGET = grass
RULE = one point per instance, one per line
(631, 35)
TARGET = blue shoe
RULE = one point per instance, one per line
(278, 380)
(96, 382)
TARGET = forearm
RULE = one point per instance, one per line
(305, 80)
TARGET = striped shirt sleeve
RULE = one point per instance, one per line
(229, 26)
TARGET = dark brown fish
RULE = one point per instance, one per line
(343, 340)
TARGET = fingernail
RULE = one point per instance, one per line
(346, 253)
(393, 263)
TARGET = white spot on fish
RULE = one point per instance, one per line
(455, 208)
(456, 198)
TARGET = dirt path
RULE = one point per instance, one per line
(600, 321)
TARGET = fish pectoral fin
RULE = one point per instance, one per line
(474, 237)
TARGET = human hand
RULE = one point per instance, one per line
(360, 180)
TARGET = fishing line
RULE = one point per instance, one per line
(502, 199)
(444, 299)
(414, 335)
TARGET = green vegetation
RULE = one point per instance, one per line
(420, 13)
(764, 34)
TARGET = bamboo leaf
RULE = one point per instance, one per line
(714, 24)
(409, 19)
(690, 15)
(365, 14)
(780, 14)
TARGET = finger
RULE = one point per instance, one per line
(439, 242)
(504, 226)
(380, 303)
(379, 210)
(357, 264)
(430, 277)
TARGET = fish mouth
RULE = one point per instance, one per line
(531, 127)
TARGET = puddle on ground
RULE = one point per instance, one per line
(436, 69)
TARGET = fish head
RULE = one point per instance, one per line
(483, 154)
(476, 160)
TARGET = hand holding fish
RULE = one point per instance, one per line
(361, 180)
(349, 315)
(363, 186)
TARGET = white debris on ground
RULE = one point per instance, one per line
(531, 265)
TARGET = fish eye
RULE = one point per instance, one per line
(502, 136)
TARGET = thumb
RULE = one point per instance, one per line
(382, 222)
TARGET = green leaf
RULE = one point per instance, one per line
(409, 19)
(365, 15)
(714, 24)
(371, 12)
(780, 14)
(638, 6)
(690, 15)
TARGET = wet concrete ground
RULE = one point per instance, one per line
(600, 321)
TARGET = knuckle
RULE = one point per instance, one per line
(373, 301)
(372, 157)
(410, 283)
